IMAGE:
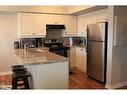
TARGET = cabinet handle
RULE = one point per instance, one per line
(81, 49)
(33, 33)
(55, 22)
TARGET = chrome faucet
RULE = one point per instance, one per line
(25, 46)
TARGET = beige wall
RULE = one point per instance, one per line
(8, 33)
(117, 64)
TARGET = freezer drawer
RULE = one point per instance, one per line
(96, 60)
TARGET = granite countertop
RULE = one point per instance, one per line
(37, 56)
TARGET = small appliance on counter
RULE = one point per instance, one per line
(16, 44)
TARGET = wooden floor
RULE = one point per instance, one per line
(5, 79)
(78, 80)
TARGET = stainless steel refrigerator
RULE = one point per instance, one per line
(97, 50)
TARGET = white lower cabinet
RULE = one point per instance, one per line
(81, 58)
(78, 58)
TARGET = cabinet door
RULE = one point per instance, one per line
(72, 57)
(26, 24)
(40, 26)
(70, 22)
(81, 58)
(54, 19)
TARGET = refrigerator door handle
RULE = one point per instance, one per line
(86, 50)
(87, 38)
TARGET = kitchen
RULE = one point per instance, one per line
(75, 24)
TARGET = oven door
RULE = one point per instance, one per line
(62, 53)
(59, 50)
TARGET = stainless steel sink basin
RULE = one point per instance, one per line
(35, 50)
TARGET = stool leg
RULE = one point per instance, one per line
(14, 83)
(26, 82)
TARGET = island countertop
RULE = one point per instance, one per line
(37, 56)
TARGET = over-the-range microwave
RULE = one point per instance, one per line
(74, 41)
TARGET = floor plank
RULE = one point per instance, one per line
(5, 79)
(80, 80)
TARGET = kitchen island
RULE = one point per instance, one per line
(48, 70)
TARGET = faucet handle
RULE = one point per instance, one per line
(25, 46)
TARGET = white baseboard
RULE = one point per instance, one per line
(117, 85)
(6, 73)
(81, 69)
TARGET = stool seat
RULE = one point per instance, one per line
(18, 67)
(21, 74)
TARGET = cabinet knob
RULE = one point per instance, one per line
(55, 22)
(33, 33)
(81, 49)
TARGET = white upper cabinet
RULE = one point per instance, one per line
(31, 25)
(70, 24)
(34, 25)
(26, 24)
(40, 25)
(54, 19)
(67, 20)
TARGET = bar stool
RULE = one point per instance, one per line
(20, 78)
